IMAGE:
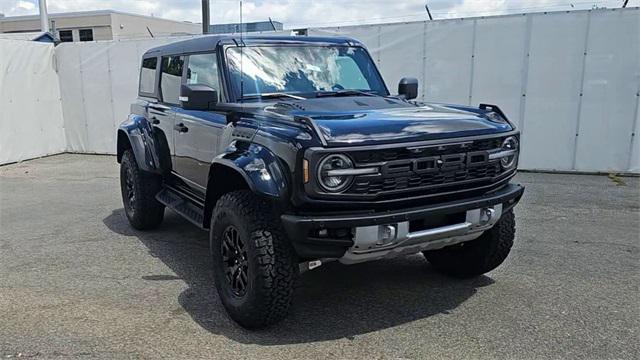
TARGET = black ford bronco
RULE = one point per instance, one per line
(292, 152)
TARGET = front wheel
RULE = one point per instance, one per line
(254, 264)
(477, 257)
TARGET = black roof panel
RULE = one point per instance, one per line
(209, 42)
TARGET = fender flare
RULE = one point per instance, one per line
(136, 133)
(262, 171)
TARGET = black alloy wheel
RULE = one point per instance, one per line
(234, 258)
(130, 193)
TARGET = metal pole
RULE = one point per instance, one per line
(625, 4)
(44, 17)
(426, 6)
(205, 16)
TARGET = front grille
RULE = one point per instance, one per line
(405, 169)
(435, 181)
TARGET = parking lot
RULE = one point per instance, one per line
(76, 281)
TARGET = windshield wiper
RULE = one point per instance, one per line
(272, 96)
(346, 93)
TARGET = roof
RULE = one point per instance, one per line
(83, 14)
(209, 42)
(28, 36)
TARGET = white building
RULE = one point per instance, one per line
(100, 25)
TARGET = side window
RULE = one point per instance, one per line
(171, 78)
(203, 69)
(148, 75)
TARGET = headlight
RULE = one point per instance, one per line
(509, 145)
(331, 172)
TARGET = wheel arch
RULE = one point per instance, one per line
(135, 134)
(254, 168)
(224, 177)
(123, 144)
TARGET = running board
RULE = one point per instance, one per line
(175, 201)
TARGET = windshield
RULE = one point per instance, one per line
(301, 70)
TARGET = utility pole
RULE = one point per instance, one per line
(426, 6)
(205, 16)
(44, 17)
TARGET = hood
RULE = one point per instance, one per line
(365, 120)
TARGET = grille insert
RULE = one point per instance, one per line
(460, 166)
(368, 185)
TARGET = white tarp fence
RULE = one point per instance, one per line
(570, 81)
(98, 83)
(31, 122)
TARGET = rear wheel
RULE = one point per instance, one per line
(254, 265)
(479, 256)
(139, 191)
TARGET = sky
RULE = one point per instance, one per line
(310, 13)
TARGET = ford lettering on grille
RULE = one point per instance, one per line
(434, 164)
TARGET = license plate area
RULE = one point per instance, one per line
(436, 221)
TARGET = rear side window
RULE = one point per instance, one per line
(148, 76)
(171, 78)
(203, 69)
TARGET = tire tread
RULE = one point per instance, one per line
(275, 256)
(148, 212)
(479, 256)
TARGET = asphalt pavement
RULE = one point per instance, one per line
(76, 281)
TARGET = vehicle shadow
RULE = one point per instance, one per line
(331, 302)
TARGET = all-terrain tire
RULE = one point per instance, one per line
(479, 256)
(271, 265)
(139, 191)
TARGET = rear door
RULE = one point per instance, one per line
(162, 114)
(198, 134)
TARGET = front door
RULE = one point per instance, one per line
(198, 132)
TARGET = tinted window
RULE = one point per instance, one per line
(171, 78)
(65, 35)
(148, 75)
(86, 34)
(203, 69)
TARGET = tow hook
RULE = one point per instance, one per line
(486, 215)
(309, 265)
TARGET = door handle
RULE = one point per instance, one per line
(181, 128)
(159, 107)
(155, 121)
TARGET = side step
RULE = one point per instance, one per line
(172, 199)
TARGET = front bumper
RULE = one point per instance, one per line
(300, 229)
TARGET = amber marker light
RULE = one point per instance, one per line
(305, 170)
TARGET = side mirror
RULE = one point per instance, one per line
(408, 87)
(198, 97)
